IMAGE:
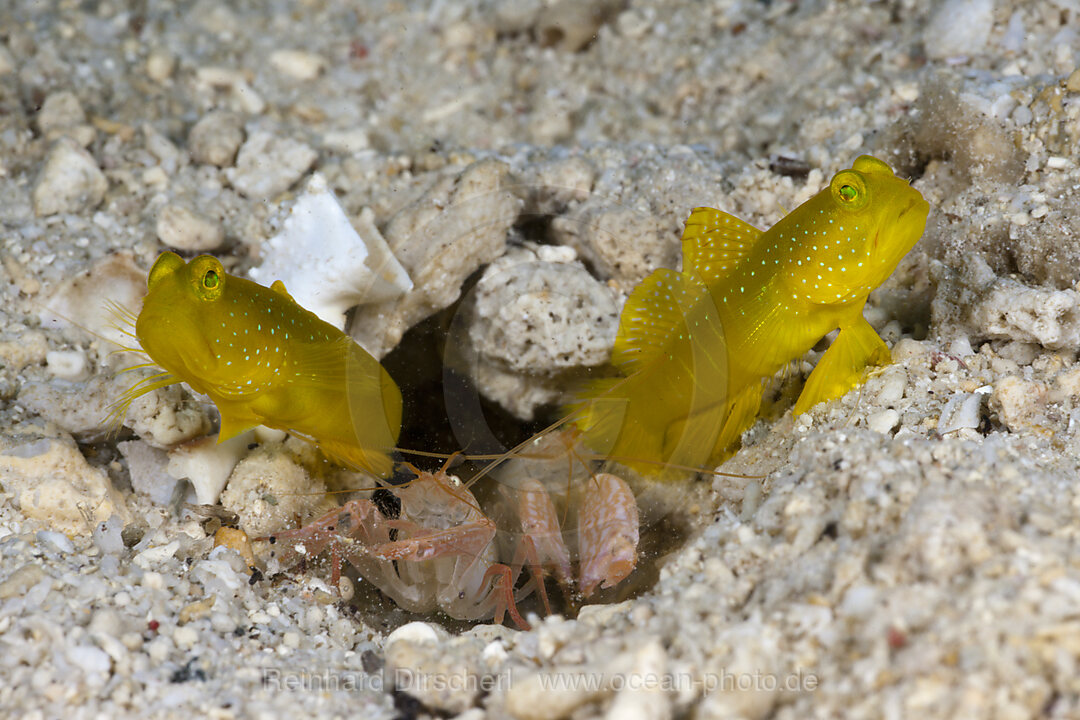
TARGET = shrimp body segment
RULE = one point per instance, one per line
(444, 553)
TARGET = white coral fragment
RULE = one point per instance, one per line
(208, 463)
(326, 265)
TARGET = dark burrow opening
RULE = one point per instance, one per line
(445, 413)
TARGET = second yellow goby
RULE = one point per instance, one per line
(693, 348)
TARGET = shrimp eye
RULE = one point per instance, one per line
(849, 190)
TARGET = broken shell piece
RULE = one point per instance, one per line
(85, 300)
(326, 265)
(147, 470)
(208, 463)
(265, 435)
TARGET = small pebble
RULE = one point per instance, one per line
(216, 138)
(132, 640)
(961, 347)
(958, 28)
(106, 622)
(569, 25)
(57, 541)
(133, 534)
(348, 141)
(961, 411)
(1017, 401)
(907, 348)
(297, 64)
(157, 554)
(185, 637)
(1066, 385)
(346, 589)
(235, 82)
(20, 581)
(153, 581)
(1072, 83)
(70, 182)
(267, 165)
(90, 660)
(60, 110)
(183, 229)
(159, 65)
(415, 632)
(196, 610)
(1022, 115)
(859, 600)
(237, 540)
(159, 648)
(883, 421)
(890, 385)
(222, 623)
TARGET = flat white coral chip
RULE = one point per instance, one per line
(326, 265)
(208, 463)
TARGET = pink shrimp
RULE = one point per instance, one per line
(445, 554)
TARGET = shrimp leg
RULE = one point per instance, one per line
(356, 519)
(493, 590)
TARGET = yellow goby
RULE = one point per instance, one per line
(693, 348)
(265, 360)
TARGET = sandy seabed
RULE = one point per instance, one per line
(906, 551)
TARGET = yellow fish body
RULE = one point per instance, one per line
(693, 348)
(264, 360)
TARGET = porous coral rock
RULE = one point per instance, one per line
(534, 326)
(51, 480)
(268, 489)
(974, 300)
(457, 226)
